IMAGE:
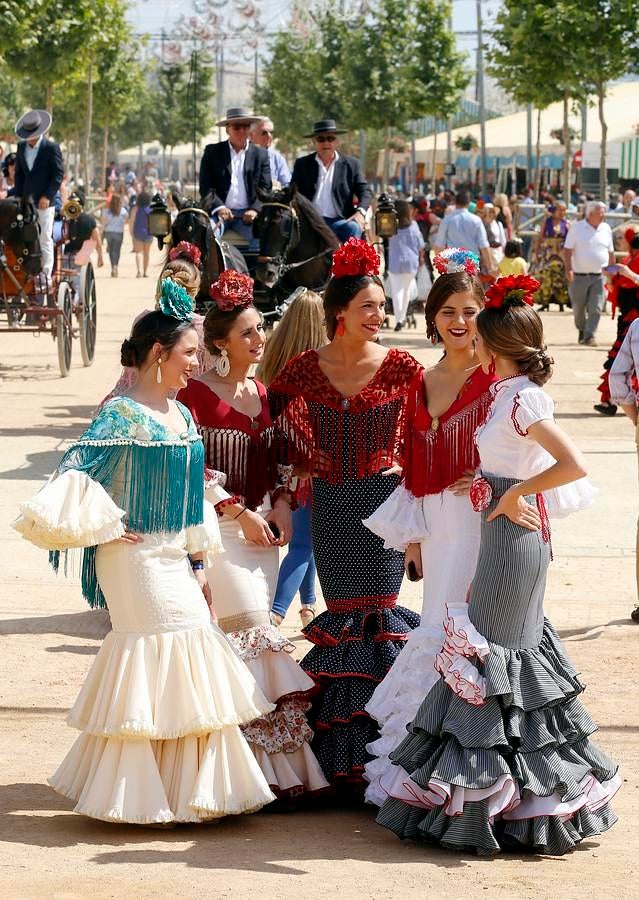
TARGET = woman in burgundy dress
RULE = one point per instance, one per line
(340, 412)
(251, 496)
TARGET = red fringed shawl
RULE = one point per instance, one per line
(439, 452)
(241, 447)
(336, 437)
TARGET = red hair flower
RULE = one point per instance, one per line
(355, 258)
(184, 250)
(512, 288)
(232, 290)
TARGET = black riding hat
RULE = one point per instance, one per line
(325, 125)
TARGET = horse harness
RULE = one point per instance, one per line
(293, 239)
(25, 231)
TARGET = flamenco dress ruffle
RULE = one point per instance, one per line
(498, 756)
(241, 578)
(353, 651)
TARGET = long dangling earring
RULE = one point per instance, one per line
(340, 327)
(222, 364)
(158, 374)
(491, 367)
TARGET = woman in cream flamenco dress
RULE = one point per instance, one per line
(161, 709)
(250, 494)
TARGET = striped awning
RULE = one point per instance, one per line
(629, 165)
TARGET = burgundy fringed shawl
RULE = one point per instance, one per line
(336, 437)
(435, 457)
(244, 449)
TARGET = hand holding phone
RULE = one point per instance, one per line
(411, 572)
(274, 530)
(611, 270)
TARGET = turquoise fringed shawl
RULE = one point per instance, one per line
(155, 475)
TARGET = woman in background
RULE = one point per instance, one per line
(142, 238)
(113, 221)
(302, 328)
(405, 252)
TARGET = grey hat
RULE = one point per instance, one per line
(238, 114)
(33, 124)
(324, 126)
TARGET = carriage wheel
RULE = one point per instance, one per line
(63, 327)
(87, 314)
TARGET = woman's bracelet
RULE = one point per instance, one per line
(197, 565)
(243, 510)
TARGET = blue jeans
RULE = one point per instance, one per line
(297, 572)
(343, 229)
(240, 227)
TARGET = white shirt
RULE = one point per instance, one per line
(30, 153)
(625, 368)
(323, 198)
(591, 246)
(506, 450)
(236, 197)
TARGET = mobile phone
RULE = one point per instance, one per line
(411, 572)
(274, 530)
(611, 270)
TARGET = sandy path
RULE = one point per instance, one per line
(49, 640)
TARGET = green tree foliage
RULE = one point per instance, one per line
(181, 96)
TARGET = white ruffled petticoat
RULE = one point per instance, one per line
(447, 528)
(161, 708)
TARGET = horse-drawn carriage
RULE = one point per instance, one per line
(29, 302)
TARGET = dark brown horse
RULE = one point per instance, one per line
(20, 235)
(296, 245)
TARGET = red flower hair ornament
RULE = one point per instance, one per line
(184, 250)
(355, 259)
(232, 290)
(512, 289)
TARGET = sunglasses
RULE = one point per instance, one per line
(325, 138)
(241, 127)
(265, 132)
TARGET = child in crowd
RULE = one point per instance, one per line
(513, 262)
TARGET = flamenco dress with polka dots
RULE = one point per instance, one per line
(242, 467)
(346, 443)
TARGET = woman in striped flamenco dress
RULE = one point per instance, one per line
(498, 756)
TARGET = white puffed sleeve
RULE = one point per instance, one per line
(529, 406)
(70, 511)
(214, 489)
(399, 520)
(205, 537)
(570, 498)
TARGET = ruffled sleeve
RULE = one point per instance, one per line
(206, 536)
(399, 521)
(69, 512)
(530, 406)
(570, 498)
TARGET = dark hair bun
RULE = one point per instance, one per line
(128, 355)
(537, 366)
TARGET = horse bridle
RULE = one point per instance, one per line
(29, 228)
(284, 267)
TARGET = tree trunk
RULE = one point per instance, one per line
(603, 174)
(105, 145)
(433, 187)
(49, 98)
(89, 126)
(537, 181)
(567, 150)
(387, 153)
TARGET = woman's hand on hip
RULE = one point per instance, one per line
(518, 510)
(462, 485)
(129, 537)
(255, 529)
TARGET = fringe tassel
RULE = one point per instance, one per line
(248, 461)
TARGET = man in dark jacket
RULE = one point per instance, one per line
(333, 182)
(39, 173)
(231, 172)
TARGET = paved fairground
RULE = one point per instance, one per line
(49, 640)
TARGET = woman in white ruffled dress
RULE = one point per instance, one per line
(429, 515)
(161, 709)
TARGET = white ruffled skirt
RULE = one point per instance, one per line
(448, 530)
(161, 709)
(242, 581)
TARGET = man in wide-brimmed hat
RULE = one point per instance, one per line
(231, 172)
(334, 182)
(39, 174)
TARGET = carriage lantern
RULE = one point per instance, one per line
(159, 219)
(386, 221)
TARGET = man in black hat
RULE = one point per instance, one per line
(39, 174)
(335, 183)
(231, 172)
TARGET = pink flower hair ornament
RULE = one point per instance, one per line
(185, 250)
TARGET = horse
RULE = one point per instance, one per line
(193, 224)
(20, 233)
(296, 245)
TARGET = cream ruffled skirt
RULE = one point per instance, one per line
(161, 709)
(242, 581)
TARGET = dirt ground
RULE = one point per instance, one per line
(49, 640)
